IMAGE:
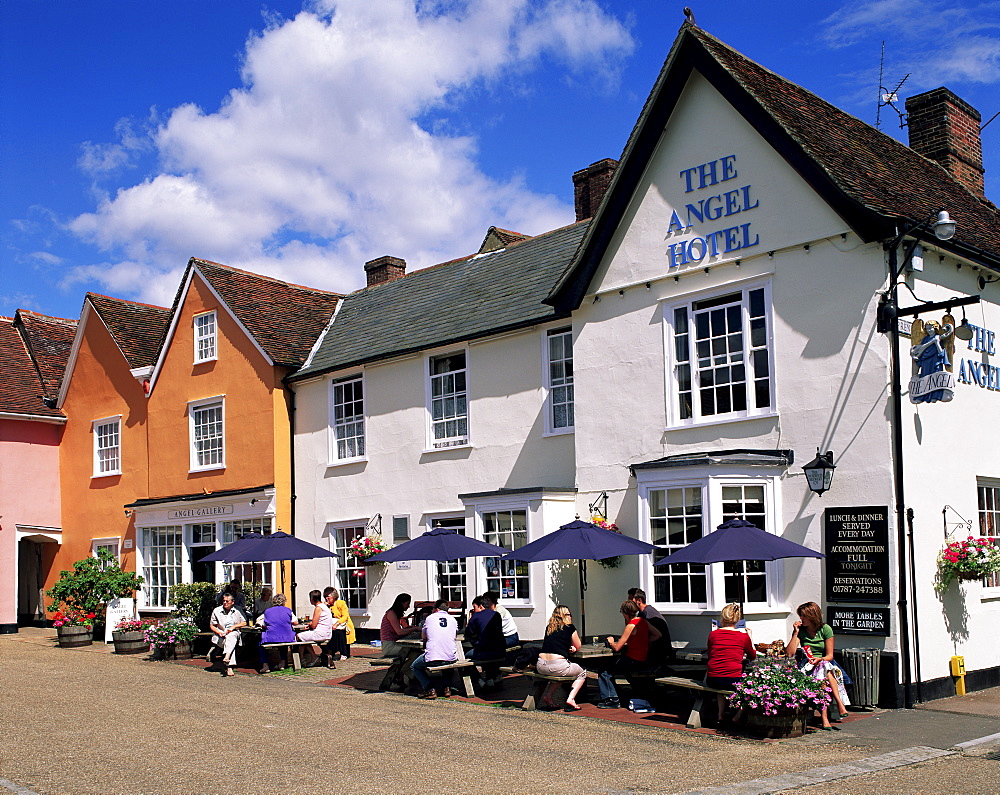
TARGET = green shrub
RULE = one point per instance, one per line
(194, 602)
(93, 583)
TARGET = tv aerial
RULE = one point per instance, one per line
(887, 98)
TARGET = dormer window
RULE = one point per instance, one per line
(205, 330)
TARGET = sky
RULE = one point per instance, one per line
(302, 139)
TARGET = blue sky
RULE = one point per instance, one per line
(302, 139)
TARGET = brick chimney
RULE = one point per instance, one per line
(590, 185)
(945, 128)
(384, 269)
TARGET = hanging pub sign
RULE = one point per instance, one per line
(859, 620)
(857, 554)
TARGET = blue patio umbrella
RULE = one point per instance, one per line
(580, 541)
(738, 539)
(276, 546)
(224, 555)
(439, 543)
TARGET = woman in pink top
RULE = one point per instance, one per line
(727, 647)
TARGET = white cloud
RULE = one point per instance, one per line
(318, 163)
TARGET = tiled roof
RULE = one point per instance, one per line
(49, 340)
(499, 238)
(873, 181)
(460, 300)
(872, 168)
(137, 329)
(285, 319)
(21, 389)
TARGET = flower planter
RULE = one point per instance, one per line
(776, 727)
(73, 636)
(970, 575)
(173, 651)
(130, 642)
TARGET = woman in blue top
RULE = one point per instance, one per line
(277, 621)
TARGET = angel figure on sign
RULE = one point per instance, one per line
(934, 353)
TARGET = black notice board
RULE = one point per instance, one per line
(859, 620)
(857, 554)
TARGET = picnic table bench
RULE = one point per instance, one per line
(294, 647)
(699, 688)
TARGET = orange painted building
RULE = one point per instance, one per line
(103, 457)
(204, 425)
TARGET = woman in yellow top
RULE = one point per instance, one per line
(339, 647)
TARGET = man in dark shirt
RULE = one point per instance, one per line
(660, 651)
(485, 632)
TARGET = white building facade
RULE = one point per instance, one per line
(715, 325)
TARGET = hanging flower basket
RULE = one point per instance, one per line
(969, 559)
(600, 521)
(365, 547)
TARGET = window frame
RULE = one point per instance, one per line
(333, 529)
(551, 388)
(460, 441)
(144, 565)
(333, 456)
(193, 407)
(477, 575)
(711, 484)
(199, 337)
(672, 363)
(991, 583)
(96, 425)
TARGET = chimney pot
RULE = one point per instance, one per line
(589, 186)
(945, 128)
(384, 269)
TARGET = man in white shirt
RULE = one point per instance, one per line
(510, 636)
(439, 633)
(226, 622)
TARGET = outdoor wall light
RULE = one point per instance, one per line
(983, 281)
(964, 331)
(819, 471)
(128, 513)
(944, 227)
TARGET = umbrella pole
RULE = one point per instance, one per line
(582, 564)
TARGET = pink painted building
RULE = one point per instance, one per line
(33, 353)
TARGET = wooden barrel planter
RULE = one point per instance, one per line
(179, 651)
(130, 642)
(71, 637)
(776, 727)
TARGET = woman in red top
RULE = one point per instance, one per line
(726, 649)
(635, 640)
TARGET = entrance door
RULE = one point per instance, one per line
(452, 574)
(30, 584)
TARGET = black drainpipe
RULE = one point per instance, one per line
(291, 475)
(899, 491)
(916, 615)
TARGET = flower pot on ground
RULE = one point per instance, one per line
(171, 639)
(72, 636)
(777, 698)
(129, 636)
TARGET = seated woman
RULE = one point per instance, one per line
(264, 601)
(561, 640)
(812, 646)
(320, 627)
(727, 646)
(339, 647)
(277, 621)
(635, 641)
(395, 626)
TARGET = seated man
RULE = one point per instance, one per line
(510, 636)
(225, 624)
(485, 632)
(439, 632)
(661, 651)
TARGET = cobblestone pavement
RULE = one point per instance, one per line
(88, 722)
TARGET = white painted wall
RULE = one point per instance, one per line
(509, 450)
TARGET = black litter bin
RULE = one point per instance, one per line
(862, 665)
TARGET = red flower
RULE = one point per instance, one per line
(91, 615)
